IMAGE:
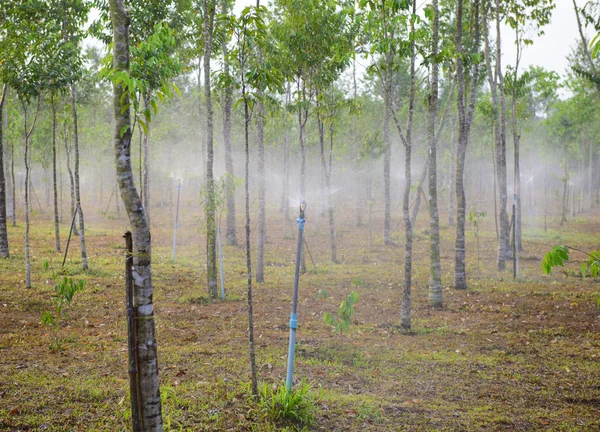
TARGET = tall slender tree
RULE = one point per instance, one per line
(144, 327)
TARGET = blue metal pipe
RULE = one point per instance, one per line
(294, 317)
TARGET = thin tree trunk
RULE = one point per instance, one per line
(14, 186)
(71, 179)
(357, 175)
(420, 182)
(210, 207)
(262, 217)
(144, 327)
(84, 262)
(4, 251)
(387, 100)
(54, 183)
(435, 278)
(465, 115)
(504, 251)
(230, 233)
(146, 170)
(248, 250)
(452, 197)
(408, 230)
(27, 251)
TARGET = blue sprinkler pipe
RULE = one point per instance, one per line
(293, 317)
(176, 223)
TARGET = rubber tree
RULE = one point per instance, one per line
(230, 232)
(210, 209)
(144, 326)
(250, 33)
(435, 278)
(4, 250)
(466, 108)
(525, 17)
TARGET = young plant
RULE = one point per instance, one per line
(344, 319)
(476, 218)
(64, 290)
(559, 254)
(284, 407)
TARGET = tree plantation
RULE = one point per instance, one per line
(299, 215)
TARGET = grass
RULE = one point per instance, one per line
(503, 355)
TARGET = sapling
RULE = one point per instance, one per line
(344, 318)
(476, 217)
(559, 254)
(64, 290)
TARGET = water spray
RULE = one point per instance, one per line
(176, 222)
(293, 317)
(221, 262)
(529, 186)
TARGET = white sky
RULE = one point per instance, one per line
(551, 49)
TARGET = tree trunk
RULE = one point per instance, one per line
(210, 206)
(465, 117)
(326, 174)
(4, 251)
(262, 217)
(54, 183)
(248, 250)
(14, 186)
(84, 262)
(357, 175)
(149, 389)
(452, 197)
(421, 181)
(230, 233)
(408, 231)
(146, 170)
(387, 100)
(26, 156)
(504, 252)
(435, 278)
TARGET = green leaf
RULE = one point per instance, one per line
(123, 131)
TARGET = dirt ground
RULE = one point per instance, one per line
(503, 355)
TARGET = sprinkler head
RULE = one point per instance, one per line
(302, 208)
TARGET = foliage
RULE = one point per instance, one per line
(281, 406)
(558, 255)
(345, 313)
(64, 290)
(476, 217)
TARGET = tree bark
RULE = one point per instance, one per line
(210, 207)
(149, 389)
(357, 175)
(54, 183)
(452, 195)
(230, 233)
(146, 169)
(504, 252)
(435, 278)
(465, 118)
(387, 100)
(84, 261)
(262, 217)
(408, 230)
(4, 251)
(248, 250)
(71, 180)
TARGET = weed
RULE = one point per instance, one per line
(281, 406)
